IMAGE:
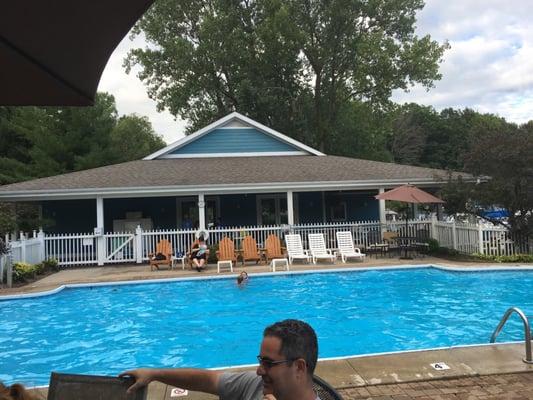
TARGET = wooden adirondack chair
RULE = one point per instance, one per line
(249, 250)
(273, 248)
(164, 247)
(226, 254)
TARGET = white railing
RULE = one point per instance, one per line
(364, 233)
(26, 249)
(147, 241)
(72, 249)
(127, 247)
(259, 233)
(480, 238)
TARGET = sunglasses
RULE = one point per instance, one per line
(268, 363)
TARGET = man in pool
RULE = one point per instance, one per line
(287, 360)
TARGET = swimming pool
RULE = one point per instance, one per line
(214, 323)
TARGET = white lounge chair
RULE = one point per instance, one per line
(317, 247)
(346, 247)
(295, 250)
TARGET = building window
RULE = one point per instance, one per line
(338, 211)
(272, 209)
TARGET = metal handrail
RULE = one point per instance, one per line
(528, 359)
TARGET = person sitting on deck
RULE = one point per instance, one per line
(199, 254)
(287, 361)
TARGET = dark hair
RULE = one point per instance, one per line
(201, 238)
(240, 279)
(298, 340)
(14, 392)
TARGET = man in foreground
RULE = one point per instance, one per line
(287, 361)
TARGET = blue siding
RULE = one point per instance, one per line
(234, 140)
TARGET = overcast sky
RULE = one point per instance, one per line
(489, 67)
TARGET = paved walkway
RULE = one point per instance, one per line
(517, 386)
(113, 273)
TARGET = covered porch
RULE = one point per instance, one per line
(203, 211)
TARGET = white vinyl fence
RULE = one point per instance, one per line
(480, 238)
(135, 247)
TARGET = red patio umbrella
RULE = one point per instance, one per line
(409, 194)
(53, 52)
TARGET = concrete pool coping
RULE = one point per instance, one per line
(376, 375)
(356, 374)
(134, 272)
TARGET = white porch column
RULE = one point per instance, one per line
(99, 230)
(454, 236)
(22, 247)
(382, 215)
(42, 250)
(290, 208)
(139, 251)
(201, 211)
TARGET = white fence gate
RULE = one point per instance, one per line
(120, 247)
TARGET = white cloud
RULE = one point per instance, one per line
(489, 67)
(131, 96)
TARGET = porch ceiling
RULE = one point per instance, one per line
(223, 175)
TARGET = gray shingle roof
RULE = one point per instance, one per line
(228, 171)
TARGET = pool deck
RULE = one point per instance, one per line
(129, 272)
(475, 372)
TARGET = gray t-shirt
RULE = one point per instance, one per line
(241, 386)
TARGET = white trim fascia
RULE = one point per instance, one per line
(249, 154)
(189, 190)
(219, 123)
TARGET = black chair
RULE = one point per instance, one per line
(89, 387)
(324, 390)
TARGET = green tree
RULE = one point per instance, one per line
(133, 138)
(503, 160)
(77, 138)
(16, 123)
(290, 64)
(39, 142)
(412, 125)
(361, 132)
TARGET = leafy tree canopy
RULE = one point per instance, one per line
(293, 65)
(39, 142)
(502, 157)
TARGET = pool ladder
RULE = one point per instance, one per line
(528, 359)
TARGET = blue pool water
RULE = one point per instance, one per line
(210, 323)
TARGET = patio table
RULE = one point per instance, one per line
(381, 248)
(406, 243)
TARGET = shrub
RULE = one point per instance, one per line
(433, 245)
(51, 264)
(213, 254)
(39, 269)
(521, 258)
(23, 271)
